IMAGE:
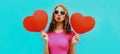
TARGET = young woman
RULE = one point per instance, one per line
(59, 39)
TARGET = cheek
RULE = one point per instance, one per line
(63, 17)
(55, 16)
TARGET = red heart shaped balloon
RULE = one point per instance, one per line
(82, 24)
(37, 22)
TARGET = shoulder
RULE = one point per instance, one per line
(48, 32)
(72, 33)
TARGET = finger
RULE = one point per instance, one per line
(77, 38)
(43, 35)
(77, 34)
(42, 32)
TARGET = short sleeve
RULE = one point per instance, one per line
(71, 36)
(47, 32)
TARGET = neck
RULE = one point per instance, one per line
(59, 27)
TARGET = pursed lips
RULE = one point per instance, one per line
(58, 18)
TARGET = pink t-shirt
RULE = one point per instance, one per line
(59, 42)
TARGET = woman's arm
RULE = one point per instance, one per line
(72, 49)
(46, 50)
(45, 37)
(74, 41)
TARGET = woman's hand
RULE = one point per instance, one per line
(44, 36)
(75, 39)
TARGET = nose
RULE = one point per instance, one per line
(58, 14)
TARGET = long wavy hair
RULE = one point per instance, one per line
(66, 24)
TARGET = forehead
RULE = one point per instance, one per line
(59, 8)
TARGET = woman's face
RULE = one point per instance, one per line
(59, 14)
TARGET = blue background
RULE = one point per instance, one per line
(103, 39)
